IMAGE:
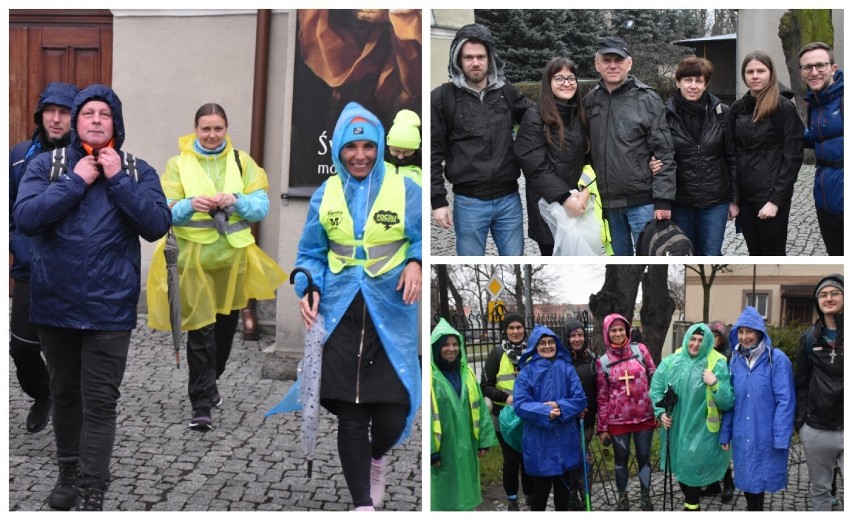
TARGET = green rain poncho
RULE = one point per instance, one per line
(697, 458)
(455, 482)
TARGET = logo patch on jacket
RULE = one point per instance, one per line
(333, 217)
(386, 218)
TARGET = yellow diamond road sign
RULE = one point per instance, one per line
(495, 286)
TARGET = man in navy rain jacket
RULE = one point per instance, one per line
(85, 283)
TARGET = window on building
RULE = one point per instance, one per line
(760, 301)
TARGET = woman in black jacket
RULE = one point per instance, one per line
(552, 147)
(705, 157)
(769, 138)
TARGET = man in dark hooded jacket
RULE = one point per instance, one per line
(819, 391)
(53, 130)
(472, 118)
(85, 282)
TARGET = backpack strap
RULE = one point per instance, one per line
(636, 354)
(128, 162)
(237, 159)
(59, 164)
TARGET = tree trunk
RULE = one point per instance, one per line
(657, 309)
(618, 295)
(797, 28)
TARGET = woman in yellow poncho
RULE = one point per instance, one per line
(214, 191)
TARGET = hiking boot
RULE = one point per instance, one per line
(377, 481)
(513, 506)
(91, 499)
(39, 415)
(623, 502)
(201, 423)
(727, 489)
(574, 502)
(64, 495)
(645, 501)
(217, 400)
(365, 508)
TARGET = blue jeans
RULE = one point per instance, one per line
(473, 218)
(625, 224)
(86, 369)
(705, 227)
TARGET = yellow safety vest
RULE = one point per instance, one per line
(506, 375)
(473, 401)
(587, 180)
(201, 228)
(384, 239)
(412, 172)
(713, 418)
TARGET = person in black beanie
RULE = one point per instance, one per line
(498, 380)
(574, 337)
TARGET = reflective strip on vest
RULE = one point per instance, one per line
(714, 422)
(202, 228)
(505, 376)
(384, 242)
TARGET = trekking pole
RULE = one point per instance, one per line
(667, 403)
(585, 474)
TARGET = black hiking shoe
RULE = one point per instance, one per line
(63, 497)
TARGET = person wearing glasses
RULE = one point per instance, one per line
(769, 139)
(824, 133)
(553, 148)
(819, 391)
(627, 126)
(549, 397)
(705, 158)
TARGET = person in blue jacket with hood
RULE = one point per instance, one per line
(549, 397)
(85, 283)
(362, 245)
(53, 130)
(759, 427)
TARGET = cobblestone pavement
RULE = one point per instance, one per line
(795, 498)
(247, 462)
(803, 237)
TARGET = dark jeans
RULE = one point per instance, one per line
(764, 237)
(513, 462)
(365, 431)
(541, 491)
(86, 369)
(24, 345)
(705, 227)
(207, 352)
(754, 501)
(621, 450)
(831, 229)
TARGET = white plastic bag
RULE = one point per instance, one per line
(572, 236)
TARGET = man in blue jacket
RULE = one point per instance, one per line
(53, 130)
(86, 218)
(824, 133)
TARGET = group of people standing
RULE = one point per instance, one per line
(724, 396)
(79, 205)
(637, 159)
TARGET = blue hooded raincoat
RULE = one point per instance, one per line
(550, 447)
(760, 425)
(395, 322)
(86, 253)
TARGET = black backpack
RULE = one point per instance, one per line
(663, 238)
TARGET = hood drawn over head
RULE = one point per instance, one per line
(537, 332)
(442, 328)
(483, 35)
(107, 95)
(752, 319)
(607, 324)
(706, 343)
(350, 112)
(56, 93)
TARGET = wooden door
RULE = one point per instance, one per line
(73, 46)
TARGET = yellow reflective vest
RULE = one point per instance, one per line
(473, 402)
(714, 419)
(201, 228)
(506, 375)
(384, 241)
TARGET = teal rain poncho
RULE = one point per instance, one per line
(455, 482)
(697, 458)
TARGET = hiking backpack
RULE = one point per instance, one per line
(663, 238)
(636, 354)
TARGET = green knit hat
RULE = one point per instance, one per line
(405, 132)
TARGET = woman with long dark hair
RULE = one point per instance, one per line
(552, 147)
(769, 140)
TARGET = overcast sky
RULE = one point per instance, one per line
(578, 281)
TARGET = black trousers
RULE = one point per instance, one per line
(764, 237)
(86, 369)
(513, 463)
(24, 346)
(754, 501)
(365, 431)
(691, 495)
(541, 491)
(207, 352)
(831, 229)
